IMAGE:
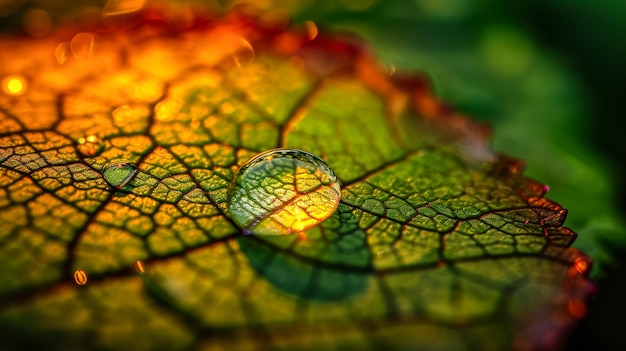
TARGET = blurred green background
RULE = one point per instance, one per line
(547, 75)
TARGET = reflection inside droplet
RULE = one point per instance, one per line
(90, 146)
(14, 85)
(282, 191)
(80, 277)
(118, 174)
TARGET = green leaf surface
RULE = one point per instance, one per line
(438, 243)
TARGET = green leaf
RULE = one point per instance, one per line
(438, 242)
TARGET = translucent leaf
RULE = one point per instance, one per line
(438, 243)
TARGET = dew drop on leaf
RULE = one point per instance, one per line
(245, 53)
(61, 53)
(82, 45)
(282, 191)
(80, 277)
(118, 174)
(90, 146)
(139, 268)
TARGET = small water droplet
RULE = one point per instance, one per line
(61, 53)
(90, 146)
(282, 191)
(139, 268)
(311, 30)
(118, 174)
(82, 45)
(244, 54)
(80, 277)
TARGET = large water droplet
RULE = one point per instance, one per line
(118, 174)
(90, 146)
(282, 191)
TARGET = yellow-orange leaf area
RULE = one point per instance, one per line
(438, 243)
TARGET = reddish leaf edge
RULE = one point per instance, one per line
(402, 90)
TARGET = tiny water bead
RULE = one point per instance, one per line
(118, 174)
(90, 146)
(80, 277)
(282, 191)
(139, 267)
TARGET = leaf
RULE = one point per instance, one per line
(438, 243)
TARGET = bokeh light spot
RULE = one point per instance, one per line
(14, 85)
(37, 22)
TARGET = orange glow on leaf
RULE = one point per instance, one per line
(82, 45)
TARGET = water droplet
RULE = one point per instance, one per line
(118, 174)
(139, 268)
(37, 22)
(282, 191)
(90, 146)
(581, 265)
(244, 54)
(80, 277)
(14, 85)
(311, 30)
(61, 53)
(82, 45)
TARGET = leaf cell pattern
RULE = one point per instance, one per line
(438, 243)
